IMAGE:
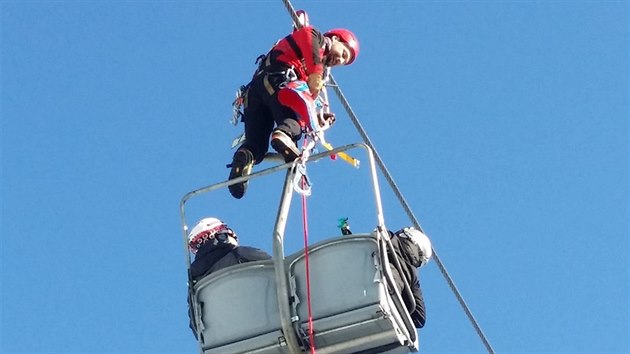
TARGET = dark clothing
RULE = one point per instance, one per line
(409, 257)
(263, 112)
(211, 258)
(302, 50)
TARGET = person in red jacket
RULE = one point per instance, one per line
(302, 55)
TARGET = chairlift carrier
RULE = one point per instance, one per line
(353, 311)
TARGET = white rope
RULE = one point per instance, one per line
(401, 198)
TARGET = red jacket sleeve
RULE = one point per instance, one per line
(310, 41)
(303, 49)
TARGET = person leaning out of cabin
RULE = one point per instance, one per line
(414, 250)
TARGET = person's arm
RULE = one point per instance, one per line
(311, 44)
(419, 316)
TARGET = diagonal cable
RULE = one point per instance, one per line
(401, 198)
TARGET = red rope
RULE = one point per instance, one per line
(311, 334)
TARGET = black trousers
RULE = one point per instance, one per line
(263, 111)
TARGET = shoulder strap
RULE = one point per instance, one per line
(294, 46)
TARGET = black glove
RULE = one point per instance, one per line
(327, 118)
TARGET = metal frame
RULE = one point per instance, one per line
(278, 237)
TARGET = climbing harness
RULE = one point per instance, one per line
(238, 107)
(301, 183)
(313, 114)
(295, 94)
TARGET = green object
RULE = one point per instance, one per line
(342, 223)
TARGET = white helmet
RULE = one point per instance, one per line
(208, 229)
(421, 241)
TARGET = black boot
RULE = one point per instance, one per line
(242, 164)
(284, 145)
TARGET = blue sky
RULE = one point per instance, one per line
(504, 123)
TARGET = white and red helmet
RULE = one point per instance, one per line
(208, 229)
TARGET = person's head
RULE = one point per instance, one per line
(344, 47)
(421, 241)
(210, 230)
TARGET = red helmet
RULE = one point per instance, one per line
(347, 37)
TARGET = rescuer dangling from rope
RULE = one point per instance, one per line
(302, 55)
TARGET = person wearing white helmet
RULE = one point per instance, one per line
(215, 246)
(413, 249)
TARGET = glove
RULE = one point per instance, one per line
(315, 84)
(327, 118)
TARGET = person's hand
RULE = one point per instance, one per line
(327, 118)
(315, 84)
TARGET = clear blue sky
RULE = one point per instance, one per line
(505, 124)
